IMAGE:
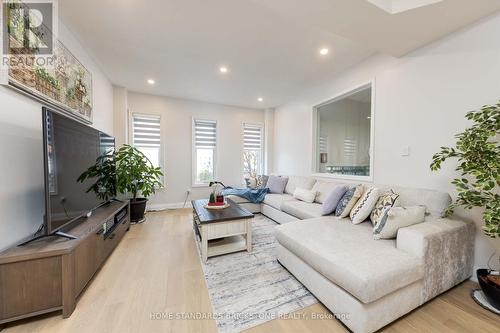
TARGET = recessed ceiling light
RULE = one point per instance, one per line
(223, 69)
(260, 99)
(323, 51)
(151, 81)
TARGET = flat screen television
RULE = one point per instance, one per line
(70, 148)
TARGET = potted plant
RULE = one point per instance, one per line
(478, 153)
(104, 173)
(136, 175)
(71, 98)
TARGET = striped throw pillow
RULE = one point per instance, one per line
(365, 205)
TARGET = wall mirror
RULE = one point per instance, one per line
(344, 135)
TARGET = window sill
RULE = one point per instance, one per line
(367, 179)
(200, 185)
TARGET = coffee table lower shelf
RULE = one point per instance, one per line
(226, 245)
(224, 237)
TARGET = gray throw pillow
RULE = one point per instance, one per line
(333, 199)
(277, 184)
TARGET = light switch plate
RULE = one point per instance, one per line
(405, 151)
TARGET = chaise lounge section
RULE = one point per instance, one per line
(369, 283)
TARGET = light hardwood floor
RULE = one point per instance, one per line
(156, 269)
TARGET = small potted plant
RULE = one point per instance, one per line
(478, 153)
(216, 197)
(136, 175)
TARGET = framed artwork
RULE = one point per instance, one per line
(66, 84)
(51, 74)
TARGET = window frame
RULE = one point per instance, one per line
(194, 160)
(161, 152)
(315, 132)
(262, 143)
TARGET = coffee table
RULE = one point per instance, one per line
(222, 231)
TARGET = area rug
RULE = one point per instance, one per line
(248, 289)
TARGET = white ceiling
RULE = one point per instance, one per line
(270, 47)
(397, 6)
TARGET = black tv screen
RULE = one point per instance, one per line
(70, 148)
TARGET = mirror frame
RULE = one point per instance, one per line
(315, 132)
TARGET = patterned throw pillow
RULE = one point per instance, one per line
(386, 201)
(365, 205)
(259, 181)
(396, 218)
(348, 201)
(262, 181)
(251, 182)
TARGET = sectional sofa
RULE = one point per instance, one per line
(368, 283)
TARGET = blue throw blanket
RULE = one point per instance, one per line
(256, 195)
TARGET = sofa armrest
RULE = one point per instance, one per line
(446, 248)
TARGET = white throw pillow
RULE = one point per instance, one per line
(304, 195)
(365, 205)
(396, 218)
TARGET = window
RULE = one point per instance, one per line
(146, 136)
(344, 135)
(204, 151)
(253, 152)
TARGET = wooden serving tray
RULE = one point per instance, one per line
(226, 205)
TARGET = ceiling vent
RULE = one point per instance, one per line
(398, 6)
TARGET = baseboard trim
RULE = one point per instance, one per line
(159, 207)
(474, 276)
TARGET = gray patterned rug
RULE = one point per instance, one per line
(247, 289)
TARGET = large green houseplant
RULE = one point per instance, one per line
(478, 153)
(127, 171)
(136, 176)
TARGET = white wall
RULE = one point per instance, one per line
(21, 166)
(176, 122)
(120, 115)
(421, 100)
(269, 141)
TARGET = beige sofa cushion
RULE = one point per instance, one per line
(299, 181)
(302, 210)
(323, 188)
(276, 200)
(348, 256)
(436, 202)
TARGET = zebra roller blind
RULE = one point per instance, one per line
(205, 134)
(252, 137)
(146, 131)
